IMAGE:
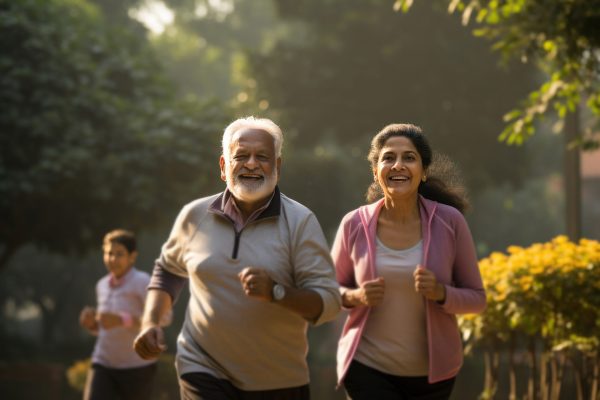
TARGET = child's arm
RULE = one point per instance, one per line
(111, 320)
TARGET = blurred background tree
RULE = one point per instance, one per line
(561, 38)
(91, 129)
(350, 67)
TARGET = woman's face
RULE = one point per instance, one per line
(399, 168)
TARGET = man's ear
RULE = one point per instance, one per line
(222, 166)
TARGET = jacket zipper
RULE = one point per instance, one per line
(236, 243)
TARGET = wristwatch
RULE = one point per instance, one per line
(278, 292)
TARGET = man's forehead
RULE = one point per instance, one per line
(249, 132)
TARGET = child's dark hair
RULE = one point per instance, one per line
(442, 184)
(123, 237)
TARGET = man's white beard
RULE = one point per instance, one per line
(250, 191)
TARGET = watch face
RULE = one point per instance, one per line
(278, 292)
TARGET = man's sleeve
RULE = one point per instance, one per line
(170, 272)
(313, 268)
(167, 282)
(173, 250)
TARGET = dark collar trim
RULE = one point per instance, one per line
(272, 210)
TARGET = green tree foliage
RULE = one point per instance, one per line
(561, 37)
(351, 66)
(92, 136)
(207, 47)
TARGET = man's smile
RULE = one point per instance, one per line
(255, 177)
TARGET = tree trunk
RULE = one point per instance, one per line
(595, 376)
(487, 383)
(496, 361)
(578, 381)
(511, 368)
(491, 374)
(572, 176)
(558, 368)
(544, 359)
(531, 387)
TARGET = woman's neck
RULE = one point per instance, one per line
(401, 210)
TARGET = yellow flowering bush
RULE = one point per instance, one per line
(77, 373)
(548, 289)
(548, 293)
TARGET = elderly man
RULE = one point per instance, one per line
(259, 270)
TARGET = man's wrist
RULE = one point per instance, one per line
(278, 292)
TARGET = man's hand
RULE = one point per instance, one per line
(370, 294)
(257, 283)
(150, 343)
(426, 284)
(87, 319)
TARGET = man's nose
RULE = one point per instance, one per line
(252, 162)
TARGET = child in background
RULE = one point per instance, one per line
(117, 371)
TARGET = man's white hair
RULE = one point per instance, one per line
(263, 124)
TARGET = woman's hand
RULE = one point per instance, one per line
(427, 285)
(369, 294)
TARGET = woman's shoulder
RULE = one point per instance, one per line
(449, 218)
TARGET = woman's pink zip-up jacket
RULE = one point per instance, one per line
(448, 251)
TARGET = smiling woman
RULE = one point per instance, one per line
(399, 169)
(440, 183)
(408, 255)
